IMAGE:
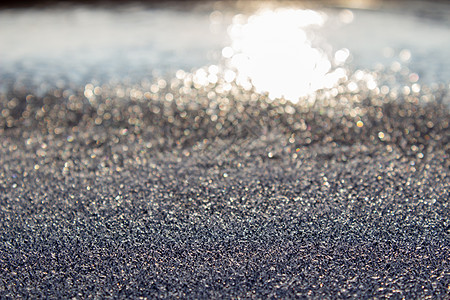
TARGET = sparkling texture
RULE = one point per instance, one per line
(202, 185)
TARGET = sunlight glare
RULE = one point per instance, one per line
(274, 51)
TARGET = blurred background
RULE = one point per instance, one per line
(284, 48)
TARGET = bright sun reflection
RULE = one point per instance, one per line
(273, 51)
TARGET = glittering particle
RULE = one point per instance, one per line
(405, 55)
(227, 52)
(206, 173)
(341, 56)
(346, 16)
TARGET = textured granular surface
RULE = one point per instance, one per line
(205, 193)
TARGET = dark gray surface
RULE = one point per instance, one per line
(127, 189)
(138, 206)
